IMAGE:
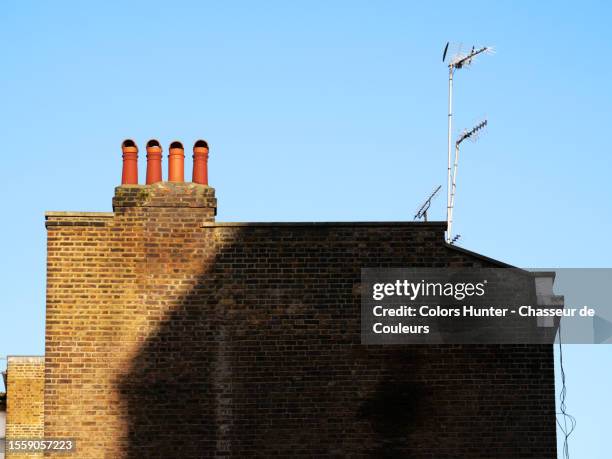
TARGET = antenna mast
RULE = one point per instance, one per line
(458, 61)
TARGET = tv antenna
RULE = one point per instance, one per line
(473, 135)
(458, 61)
(422, 212)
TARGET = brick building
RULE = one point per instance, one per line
(2, 419)
(169, 334)
(25, 379)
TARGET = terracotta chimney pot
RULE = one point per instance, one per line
(129, 175)
(176, 162)
(154, 159)
(200, 162)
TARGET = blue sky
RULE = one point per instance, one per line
(318, 111)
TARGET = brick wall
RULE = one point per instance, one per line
(2, 422)
(25, 400)
(171, 335)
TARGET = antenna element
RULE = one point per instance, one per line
(422, 212)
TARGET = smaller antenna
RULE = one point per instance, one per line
(455, 239)
(472, 133)
(466, 134)
(422, 212)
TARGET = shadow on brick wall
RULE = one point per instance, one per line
(262, 358)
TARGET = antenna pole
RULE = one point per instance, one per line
(454, 187)
(448, 174)
(458, 62)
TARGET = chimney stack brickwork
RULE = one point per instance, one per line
(103, 269)
(199, 199)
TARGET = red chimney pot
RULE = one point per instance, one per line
(200, 162)
(129, 175)
(176, 162)
(154, 159)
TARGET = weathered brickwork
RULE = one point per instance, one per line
(25, 400)
(170, 335)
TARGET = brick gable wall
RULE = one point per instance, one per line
(170, 335)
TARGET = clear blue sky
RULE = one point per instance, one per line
(318, 111)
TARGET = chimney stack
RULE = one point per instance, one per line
(200, 162)
(176, 162)
(195, 197)
(129, 174)
(154, 159)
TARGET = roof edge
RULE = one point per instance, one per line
(69, 214)
(437, 225)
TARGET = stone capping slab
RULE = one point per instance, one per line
(77, 218)
(437, 225)
(26, 358)
(68, 214)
